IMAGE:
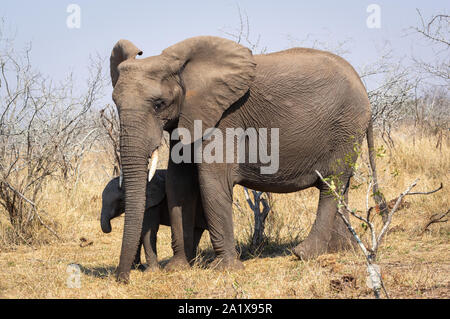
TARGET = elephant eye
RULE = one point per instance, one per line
(159, 104)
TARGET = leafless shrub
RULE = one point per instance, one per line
(325, 43)
(44, 132)
(109, 120)
(260, 215)
(431, 102)
(261, 204)
(435, 218)
(242, 34)
(391, 93)
(436, 31)
(432, 113)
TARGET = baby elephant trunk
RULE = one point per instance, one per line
(105, 222)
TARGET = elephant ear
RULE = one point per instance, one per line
(215, 72)
(123, 50)
(156, 189)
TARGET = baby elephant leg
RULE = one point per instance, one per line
(137, 257)
(149, 232)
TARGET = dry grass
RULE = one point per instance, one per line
(413, 265)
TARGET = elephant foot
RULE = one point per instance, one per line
(177, 263)
(226, 263)
(310, 248)
(122, 277)
(341, 241)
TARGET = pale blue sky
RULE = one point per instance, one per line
(154, 25)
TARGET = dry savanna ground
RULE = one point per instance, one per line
(414, 264)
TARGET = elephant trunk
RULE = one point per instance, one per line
(135, 148)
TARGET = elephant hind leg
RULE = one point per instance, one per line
(341, 239)
(328, 232)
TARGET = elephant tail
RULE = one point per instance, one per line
(377, 195)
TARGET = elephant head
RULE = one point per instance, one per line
(113, 198)
(196, 79)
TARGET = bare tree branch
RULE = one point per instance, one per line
(259, 215)
(436, 218)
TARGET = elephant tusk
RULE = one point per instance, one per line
(120, 179)
(153, 163)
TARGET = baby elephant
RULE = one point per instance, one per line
(156, 213)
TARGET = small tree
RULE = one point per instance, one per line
(391, 93)
(109, 120)
(432, 107)
(261, 205)
(436, 32)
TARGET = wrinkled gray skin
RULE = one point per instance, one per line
(315, 98)
(156, 213)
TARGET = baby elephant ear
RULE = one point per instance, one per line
(156, 189)
(123, 50)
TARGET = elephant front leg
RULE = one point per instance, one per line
(181, 236)
(217, 199)
(181, 199)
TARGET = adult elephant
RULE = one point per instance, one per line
(314, 98)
